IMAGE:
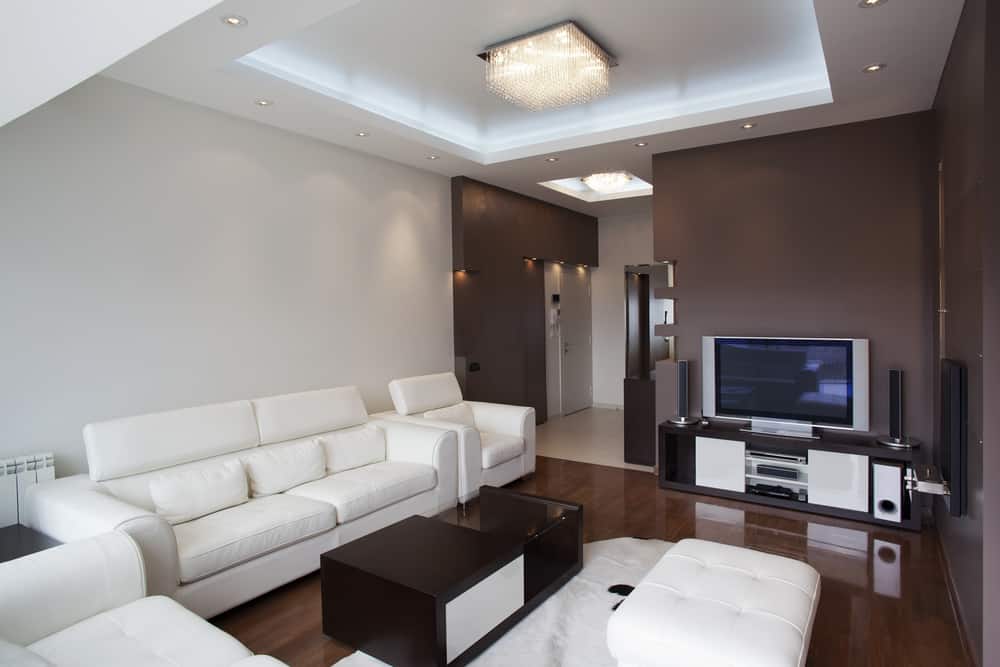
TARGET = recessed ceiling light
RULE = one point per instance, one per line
(362, 134)
(552, 159)
(234, 21)
(748, 126)
(640, 144)
(868, 4)
(263, 102)
(433, 157)
(874, 67)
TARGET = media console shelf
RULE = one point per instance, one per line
(832, 475)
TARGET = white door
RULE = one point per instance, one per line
(574, 333)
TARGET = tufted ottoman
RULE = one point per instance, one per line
(710, 604)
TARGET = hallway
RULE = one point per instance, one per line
(594, 435)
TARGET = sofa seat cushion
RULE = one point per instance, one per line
(499, 448)
(364, 490)
(153, 632)
(713, 604)
(221, 540)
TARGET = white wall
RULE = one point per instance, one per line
(621, 241)
(159, 255)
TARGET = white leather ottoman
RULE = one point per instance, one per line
(710, 604)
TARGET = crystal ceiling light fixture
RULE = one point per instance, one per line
(608, 182)
(550, 68)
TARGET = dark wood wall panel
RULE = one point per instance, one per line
(961, 116)
(829, 232)
(500, 312)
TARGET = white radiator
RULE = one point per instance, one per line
(16, 475)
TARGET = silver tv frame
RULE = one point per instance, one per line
(860, 375)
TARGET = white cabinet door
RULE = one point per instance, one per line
(478, 610)
(838, 480)
(720, 464)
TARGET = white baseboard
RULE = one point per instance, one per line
(609, 406)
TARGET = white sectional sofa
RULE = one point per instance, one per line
(496, 442)
(85, 603)
(231, 500)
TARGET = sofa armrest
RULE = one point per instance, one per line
(419, 443)
(516, 420)
(470, 451)
(75, 508)
(49, 591)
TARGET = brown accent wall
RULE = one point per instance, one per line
(828, 232)
(500, 297)
(991, 349)
(960, 111)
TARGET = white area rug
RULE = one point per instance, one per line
(570, 627)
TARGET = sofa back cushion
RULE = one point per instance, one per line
(280, 467)
(292, 416)
(456, 414)
(424, 392)
(354, 447)
(133, 445)
(181, 496)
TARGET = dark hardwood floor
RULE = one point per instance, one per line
(885, 598)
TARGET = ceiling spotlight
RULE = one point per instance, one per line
(874, 67)
(552, 159)
(234, 21)
(748, 126)
(263, 102)
(868, 4)
(640, 144)
(362, 134)
(433, 157)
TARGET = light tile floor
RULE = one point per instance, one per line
(595, 435)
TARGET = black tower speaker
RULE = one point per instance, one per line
(683, 396)
(896, 437)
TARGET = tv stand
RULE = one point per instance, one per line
(828, 474)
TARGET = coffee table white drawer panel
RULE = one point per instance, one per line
(478, 610)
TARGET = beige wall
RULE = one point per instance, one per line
(622, 240)
(159, 255)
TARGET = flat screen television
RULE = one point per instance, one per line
(801, 381)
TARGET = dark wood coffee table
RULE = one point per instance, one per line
(17, 541)
(426, 592)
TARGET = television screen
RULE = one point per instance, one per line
(800, 380)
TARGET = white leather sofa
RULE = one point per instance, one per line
(85, 603)
(231, 500)
(496, 442)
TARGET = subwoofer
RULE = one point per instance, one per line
(683, 395)
(896, 437)
(887, 491)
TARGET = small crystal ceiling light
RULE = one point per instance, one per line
(552, 159)
(433, 157)
(748, 126)
(640, 144)
(608, 182)
(874, 67)
(549, 68)
(263, 102)
(868, 4)
(234, 21)
(361, 134)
